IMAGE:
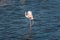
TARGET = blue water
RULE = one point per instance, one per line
(15, 26)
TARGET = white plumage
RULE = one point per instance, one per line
(29, 15)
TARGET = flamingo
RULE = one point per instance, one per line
(29, 15)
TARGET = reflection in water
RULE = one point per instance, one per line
(22, 2)
(3, 2)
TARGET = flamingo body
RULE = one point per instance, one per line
(29, 15)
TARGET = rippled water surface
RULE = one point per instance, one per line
(14, 25)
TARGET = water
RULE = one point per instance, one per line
(14, 25)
